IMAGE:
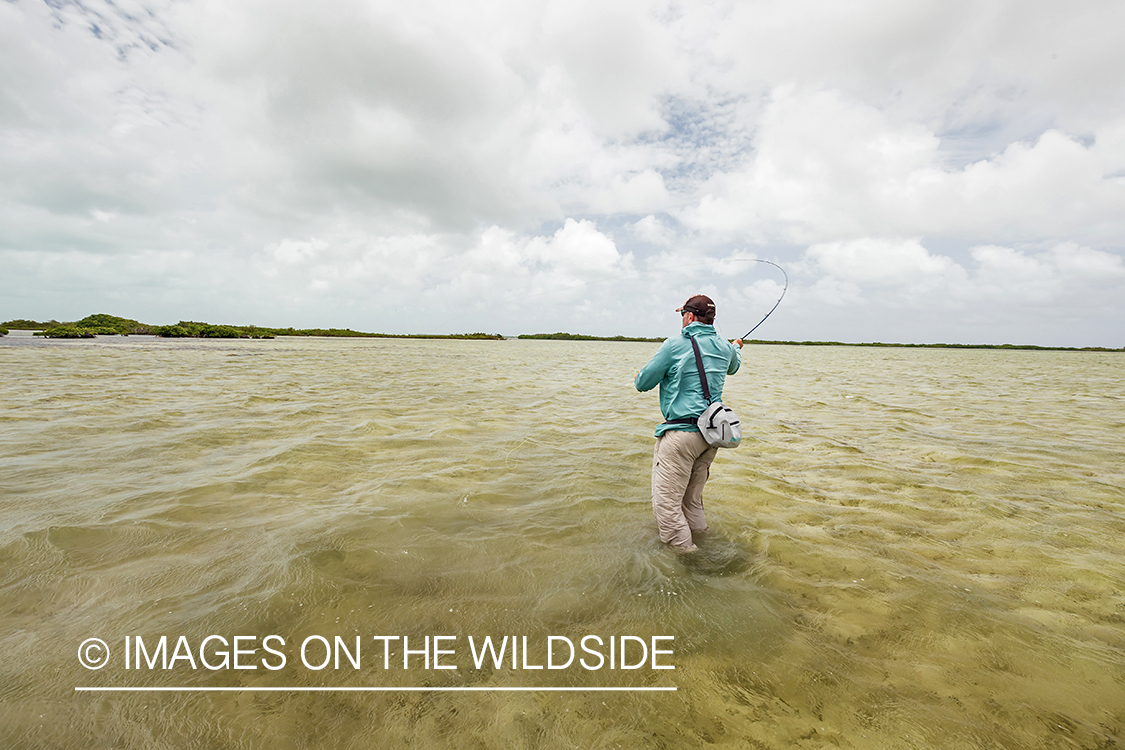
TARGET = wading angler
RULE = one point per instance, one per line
(690, 369)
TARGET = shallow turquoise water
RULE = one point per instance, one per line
(914, 548)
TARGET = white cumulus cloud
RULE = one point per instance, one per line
(307, 164)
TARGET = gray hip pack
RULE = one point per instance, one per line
(718, 423)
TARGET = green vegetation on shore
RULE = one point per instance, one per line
(102, 324)
(22, 324)
(189, 329)
(111, 325)
(87, 328)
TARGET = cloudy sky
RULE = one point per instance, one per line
(924, 171)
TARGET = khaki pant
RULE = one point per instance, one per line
(681, 463)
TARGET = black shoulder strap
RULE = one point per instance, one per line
(702, 379)
(699, 364)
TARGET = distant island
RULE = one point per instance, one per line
(102, 324)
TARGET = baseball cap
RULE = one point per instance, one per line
(699, 304)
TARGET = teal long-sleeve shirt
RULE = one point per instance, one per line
(673, 369)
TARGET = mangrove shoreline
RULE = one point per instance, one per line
(102, 324)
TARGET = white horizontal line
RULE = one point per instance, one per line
(367, 689)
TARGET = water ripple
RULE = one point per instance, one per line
(911, 548)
